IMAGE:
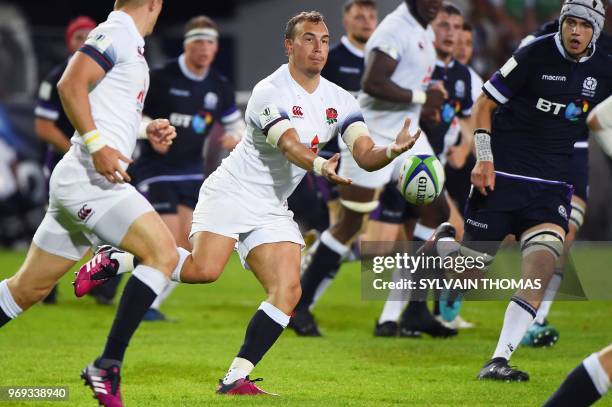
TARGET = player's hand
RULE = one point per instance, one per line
(329, 171)
(456, 156)
(228, 142)
(106, 161)
(161, 132)
(436, 95)
(483, 176)
(404, 140)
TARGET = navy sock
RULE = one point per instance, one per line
(135, 301)
(4, 319)
(577, 390)
(260, 335)
(325, 264)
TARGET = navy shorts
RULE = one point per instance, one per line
(165, 196)
(514, 207)
(579, 172)
(392, 207)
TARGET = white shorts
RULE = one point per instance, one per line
(85, 209)
(377, 179)
(226, 209)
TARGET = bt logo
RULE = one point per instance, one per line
(572, 111)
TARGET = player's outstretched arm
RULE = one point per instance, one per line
(81, 75)
(289, 144)
(371, 157)
(483, 174)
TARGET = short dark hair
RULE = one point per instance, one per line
(365, 3)
(450, 9)
(311, 16)
(200, 22)
(468, 27)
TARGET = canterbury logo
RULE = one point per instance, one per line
(84, 212)
(297, 111)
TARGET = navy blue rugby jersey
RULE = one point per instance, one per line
(192, 105)
(458, 83)
(544, 99)
(344, 67)
(49, 107)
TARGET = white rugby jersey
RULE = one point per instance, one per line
(477, 83)
(404, 39)
(117, 100)
(259, 168)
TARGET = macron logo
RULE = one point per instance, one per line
(557, 78)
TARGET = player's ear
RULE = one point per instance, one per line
(288, 46)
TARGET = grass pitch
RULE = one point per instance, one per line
(178, 364)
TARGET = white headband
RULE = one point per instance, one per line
(201, 34)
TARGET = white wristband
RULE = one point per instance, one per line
(482, 141)
(419, 97)
(390, 153)
(93, 141)
(142, 130)
(317, 165)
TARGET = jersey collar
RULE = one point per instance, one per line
(441, 63)
(352, 49)
(125, 19)
(564, 54)
(188, 73)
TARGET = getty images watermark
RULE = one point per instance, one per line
(397, 271)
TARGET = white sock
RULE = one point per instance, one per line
(153, 278)
(164, 294)
(334, 244)
(598, 375)
(239, 369)
(422, 232)
(126, 262)
(396, 302)
(519, 316)
(176, 274)
(7, 302)
(549, 296)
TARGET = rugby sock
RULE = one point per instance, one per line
(8, 307)
(264, 329)
(418, 306)
(176, 274)
(396, 302)
(519, 316)
(164, 294)
(127, 261)
(323, 268)
(144, 285)
(583, 386)
(239, 369)
(549, 296)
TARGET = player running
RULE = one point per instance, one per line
(102, 92)
(194, 96)
(395, 84)
(243, 203)
(541, 98)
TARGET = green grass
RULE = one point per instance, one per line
(178, 364)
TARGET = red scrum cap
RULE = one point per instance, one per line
(79, 23)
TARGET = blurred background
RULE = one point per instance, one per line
(32, 42)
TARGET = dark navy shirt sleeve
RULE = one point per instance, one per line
(510, 78)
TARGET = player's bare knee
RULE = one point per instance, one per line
(207, 271)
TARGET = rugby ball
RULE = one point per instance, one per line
(421, 179)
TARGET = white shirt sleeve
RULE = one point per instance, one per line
(265, 112)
